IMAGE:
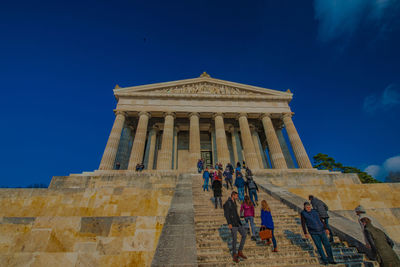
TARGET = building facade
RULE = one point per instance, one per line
(169, 126)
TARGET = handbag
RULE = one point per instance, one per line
(265, 233)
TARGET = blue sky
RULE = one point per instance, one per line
(60, 60)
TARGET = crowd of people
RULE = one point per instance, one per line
(314, 217)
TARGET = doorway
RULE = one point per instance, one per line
(207, 156)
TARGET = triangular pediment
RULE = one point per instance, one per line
(203, 86)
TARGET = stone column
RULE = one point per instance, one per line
(298, 149)
(167, 142)
(153, 136)
(234, 146)
(275, 151)
(285, 149)
(255, 137)
(194, 141)
(248, 146)
(176, 131)
(139, 141)
(110, 152)
(220, 136)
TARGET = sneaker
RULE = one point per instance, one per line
(275, 250)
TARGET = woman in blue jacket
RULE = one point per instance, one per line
(267, 222)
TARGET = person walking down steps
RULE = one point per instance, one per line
(235, 225)
(381, 244)
(217, 188)
(322, 210)
(316, 227)
(247, 208)
(206, 177)
(268, 222)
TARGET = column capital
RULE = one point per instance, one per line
(217, 114)
(155, 128)
(265, 115)
(231, 129)
(194, 114)
(169, 114)
(145, 113)
(287, 114)
(120, 112)
(242, 114)
(176, 129)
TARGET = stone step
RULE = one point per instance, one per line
(284, 261)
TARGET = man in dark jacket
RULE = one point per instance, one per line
(316, 227)
(253, 189)
(235, 225)
(380, 244)
(322, 210)
(217, 188)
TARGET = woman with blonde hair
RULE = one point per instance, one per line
(267, 222)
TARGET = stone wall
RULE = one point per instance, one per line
(85, 221)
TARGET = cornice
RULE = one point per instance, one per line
(198, 96)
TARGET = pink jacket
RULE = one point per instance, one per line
(248, 210)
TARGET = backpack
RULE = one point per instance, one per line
(252, 185)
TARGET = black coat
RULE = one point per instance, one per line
(217, 188)
(231, 214)
(321, 207)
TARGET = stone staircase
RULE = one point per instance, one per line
(213, 237)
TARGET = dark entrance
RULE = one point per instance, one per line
(207, 156)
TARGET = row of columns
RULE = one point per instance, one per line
(252, 153)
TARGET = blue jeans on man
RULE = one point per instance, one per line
(326, 221)
(205, 185)
(319, 240)
(241, 193)
(253, 193)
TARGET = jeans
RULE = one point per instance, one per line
(241, 193)
(253, 192)
(273, 238)
(319, 240)
(253, 227)
(205, 185)
(243, 233)
(326, 221)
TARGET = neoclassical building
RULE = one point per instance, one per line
(170, 125)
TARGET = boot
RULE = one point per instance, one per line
(240, 254)
(235, 258)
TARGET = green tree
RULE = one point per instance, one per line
(324, 162)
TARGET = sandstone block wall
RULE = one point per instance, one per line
(85, 221)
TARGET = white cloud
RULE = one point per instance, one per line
(341, 18)
(392, 164)
(389, 98)
(373, 170)
(380, 172)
